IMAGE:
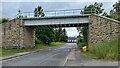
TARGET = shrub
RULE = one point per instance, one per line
(37, 41)
(80, 45)
(45, 39)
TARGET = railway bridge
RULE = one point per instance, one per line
(20, 32)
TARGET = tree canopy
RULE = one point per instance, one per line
(38, 12)
(93, 8)
(115, 12)
(46, 35)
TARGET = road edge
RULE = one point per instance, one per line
(14, 56)
(66, 59)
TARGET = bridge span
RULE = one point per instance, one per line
(57, 21)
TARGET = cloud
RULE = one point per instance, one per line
(72, 31)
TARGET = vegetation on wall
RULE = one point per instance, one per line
(3, 20)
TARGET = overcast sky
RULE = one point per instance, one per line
(10, 8)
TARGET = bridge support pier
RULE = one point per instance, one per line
(28, 37)
(102, 29)
(14, 35)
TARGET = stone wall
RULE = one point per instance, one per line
(29, 37)
(102, 28)
(14, 35)
(11, 34)
(0, 35)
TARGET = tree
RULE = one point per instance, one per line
(3, 20)
(93, 8)
(46, 35)
(38, 12)
(105, 14)
(64, 32)
(63, 38)
(85, 34)
(56, 35)
(115, 12)
(65, 35)
(116, 6)
(45, 39)
(60, 35)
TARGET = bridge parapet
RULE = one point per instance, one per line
(54, 13)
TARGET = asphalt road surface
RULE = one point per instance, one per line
(54, 56)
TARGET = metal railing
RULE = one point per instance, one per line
(57, 13)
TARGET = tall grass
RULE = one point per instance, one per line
(105, 50)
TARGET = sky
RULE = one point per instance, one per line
(9, 8)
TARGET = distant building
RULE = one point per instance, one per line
(72, 39)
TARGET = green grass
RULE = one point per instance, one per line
(0, 52)
(56, 43)
(104, 50)
(6, 52)
(88, 55)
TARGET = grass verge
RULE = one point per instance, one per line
(56, 43)
(6, 52)
(103, 50)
